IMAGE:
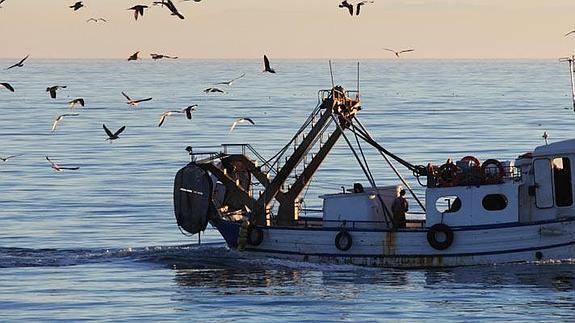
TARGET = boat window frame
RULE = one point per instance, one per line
(450, 204)
(570, 178)
(494, 194)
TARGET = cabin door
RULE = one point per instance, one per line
(543, 183)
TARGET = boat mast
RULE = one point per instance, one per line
(572, 74)
(572, 71)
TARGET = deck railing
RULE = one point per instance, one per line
(311, 222)
(244, 148)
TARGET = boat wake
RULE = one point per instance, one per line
(205, 256)
(28, 257)
(208, 256)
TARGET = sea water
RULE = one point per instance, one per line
(101, 243)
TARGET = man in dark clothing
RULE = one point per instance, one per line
(399, 208)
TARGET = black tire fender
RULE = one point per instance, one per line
(255, 236)
(432, 236)
(343, 241)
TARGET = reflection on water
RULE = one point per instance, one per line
(515, 292)
(234, 270)
(210, 281)
(558, 277)
(215, 266)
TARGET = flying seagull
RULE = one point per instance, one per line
(20, 63)
(267, 67)
(138, 10)
(165, 115)
(7, 86)
(60, 168)
(60, 118)
(5, 159)
(569, 33)
(113, 136)
(213, 90)
(134, 102)
(96, 20)
(170, 5)
(53, 89)
(187, 111)
(160, 56)
(358, 6)
(134, 56)
(349, 6)
(76, 6)
(398, 52)
(241, 120)
(75, 102)
(1, 1)
(232, 80)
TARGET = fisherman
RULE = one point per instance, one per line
(399, 208)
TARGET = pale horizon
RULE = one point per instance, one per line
(296, 29)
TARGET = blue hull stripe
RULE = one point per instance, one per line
(470, 254)
(454, 228)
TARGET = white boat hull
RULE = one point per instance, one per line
(476, 245)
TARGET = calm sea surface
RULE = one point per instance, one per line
(101, 243)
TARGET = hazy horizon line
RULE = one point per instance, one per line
(300, 58)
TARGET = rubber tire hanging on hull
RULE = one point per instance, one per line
(347, 241)
(432, 236)
(255, 236)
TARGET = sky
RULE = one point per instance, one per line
(291, 29)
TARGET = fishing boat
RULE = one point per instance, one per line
(474, 213)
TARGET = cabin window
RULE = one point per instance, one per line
(494, 202)
(448, 204)
(562, 181)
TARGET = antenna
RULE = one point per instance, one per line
(357, 95)
(331, 73)
(571, 61)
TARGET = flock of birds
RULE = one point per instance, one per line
(138, 11)
(133, 102)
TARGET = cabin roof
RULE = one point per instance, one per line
(560, 147)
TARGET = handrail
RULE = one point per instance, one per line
(325, 93)
(351, 224)
(253, 150)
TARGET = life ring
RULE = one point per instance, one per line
(474, 175)
(447, 175)
(489, 177)
(255, 236)
(343, 240)
(432, 236)
(473, 159)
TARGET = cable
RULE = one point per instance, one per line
(386, 214)
(363, 155)
(395, 170)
